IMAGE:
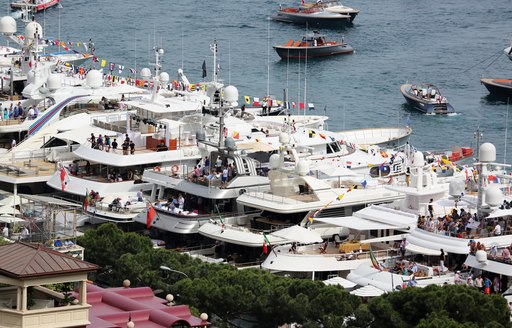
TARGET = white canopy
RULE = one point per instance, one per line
(368, 291)
(347, 284)
(381, 239)
(10, 219)
(335, 171)
(298, 234)
(8, 210)
(10, 201)
(500, 213)
(353, 222)
(422, 250)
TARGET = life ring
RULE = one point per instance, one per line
(175, 168)
(156, 168)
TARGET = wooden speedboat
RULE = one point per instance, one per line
(499, 87)
(426, 98)
(312, 45)
(36, 5)
(333, 6)
(312, 16)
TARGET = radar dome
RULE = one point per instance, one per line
(274, 161)
(160, 51)
(32, 30)
(230, 94)
(493, 196)
(230, 143)
(418, 159)
(302, 167)
(481, 256)
(145, 73)
(7, 25)
(284, 138)
(487, 152)
(54, 81)
(164, 77)
(456, 188)
(94, 79)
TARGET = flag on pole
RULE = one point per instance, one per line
(375, 263)
(103, 63)
(150, 216)
(121, 68)
(133, 71)
(112, 66)
(301, 105)
(266, 244)
(311, 106)
(247, 100)
(294, 104)
(204, 69)
(64, 178)
(256, 101)
(87, 199)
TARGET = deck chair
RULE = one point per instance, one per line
(296, 44)
(289, 44)
(337, 239)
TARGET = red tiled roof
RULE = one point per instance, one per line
(21, 260)
(113, 307)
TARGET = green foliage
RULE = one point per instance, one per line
(269, 300)
(434, 306)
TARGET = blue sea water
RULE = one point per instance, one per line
(449, 43)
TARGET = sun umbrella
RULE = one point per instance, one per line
(367, 291)
(8, 210)
(298, 234)
(347, 284)
(9, 201)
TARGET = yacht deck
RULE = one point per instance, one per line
(32, 170)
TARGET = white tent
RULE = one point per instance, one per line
(347, 284)
(10, 219)
(298, 234)
(368, 291)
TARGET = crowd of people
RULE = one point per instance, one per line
(104, 143)
(223, 171)
(17, 111)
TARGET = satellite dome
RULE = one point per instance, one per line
(164, 77)
(230, 143)
(160, 51)
(493, 196)
(487, 152)
(302, 167)
(32, 29)
(284, 138)
(230, 94)
(7, 25)
(145, 73)
(418, 159)
(274, 161)
(456, 188)
(54, 81)
(481, 256)
(94, 79)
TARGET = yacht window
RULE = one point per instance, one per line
(335, 147)
(328, 149)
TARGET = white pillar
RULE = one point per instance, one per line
(161, 192)
(24, 299)
(83, 292)
(19, 295)
(153, 193)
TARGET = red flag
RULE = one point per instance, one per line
(301, 105)
(294, 104)
(150, 216)
(63, 177)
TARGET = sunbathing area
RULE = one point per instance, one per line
(27, 168)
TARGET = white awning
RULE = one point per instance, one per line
(353, 222)
(381, 239)
(488, 265)
(368, 291)
(422, 250)
(500, 213)
(347, 284)
(389, 216)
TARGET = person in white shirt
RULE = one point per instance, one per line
(5, 232)
(31, 113)
(497, 230)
